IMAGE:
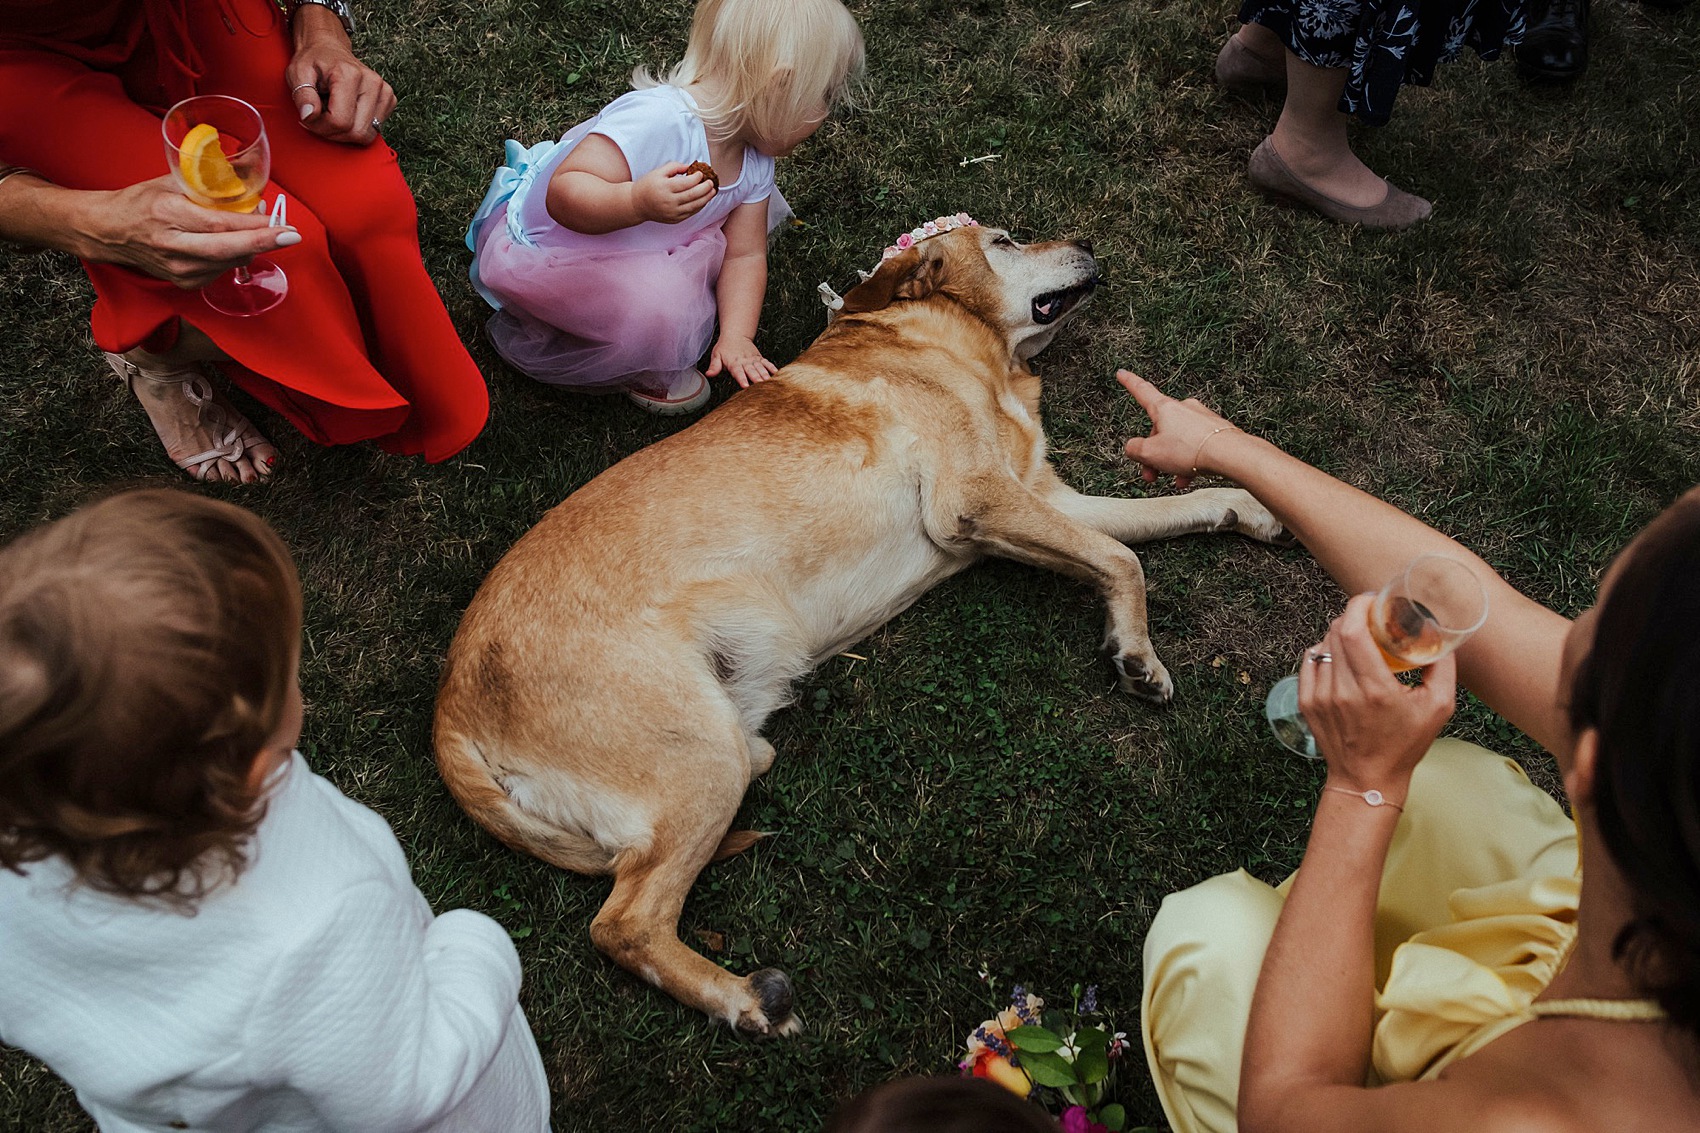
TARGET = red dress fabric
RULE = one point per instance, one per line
(362, 348)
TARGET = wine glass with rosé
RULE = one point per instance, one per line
(1423, 613)
(221, 159)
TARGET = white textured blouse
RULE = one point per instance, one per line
(315, 993)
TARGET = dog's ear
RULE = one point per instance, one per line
(913, 273)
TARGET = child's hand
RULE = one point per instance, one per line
(669, 194)
(740, 358)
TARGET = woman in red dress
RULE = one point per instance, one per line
(360, 349)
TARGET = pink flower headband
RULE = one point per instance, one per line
(934, 227)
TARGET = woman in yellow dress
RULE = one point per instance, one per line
(1440, 961)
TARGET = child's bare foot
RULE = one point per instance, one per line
(203, 434)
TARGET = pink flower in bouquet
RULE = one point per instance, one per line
(988, 1063)
(1074, 1120)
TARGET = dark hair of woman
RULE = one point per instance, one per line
(939, 1105)
(1639, 687)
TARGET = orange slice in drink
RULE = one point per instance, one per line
(206, 171)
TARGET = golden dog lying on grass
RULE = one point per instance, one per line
(603, 699)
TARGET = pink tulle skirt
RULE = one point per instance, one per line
(590, 319)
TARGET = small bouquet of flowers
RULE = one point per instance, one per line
(1054, 1057)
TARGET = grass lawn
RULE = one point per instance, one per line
(969, 793)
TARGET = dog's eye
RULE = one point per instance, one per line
(1005, 241)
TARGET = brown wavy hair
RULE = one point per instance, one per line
(148, 645)
(1639, 687)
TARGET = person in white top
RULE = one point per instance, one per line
(609, 253)
(198, 931)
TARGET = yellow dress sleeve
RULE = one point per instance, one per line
(1456, 988)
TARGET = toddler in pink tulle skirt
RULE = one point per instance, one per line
(609, 254)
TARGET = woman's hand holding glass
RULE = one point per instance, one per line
(1370, 727)
(152, 227)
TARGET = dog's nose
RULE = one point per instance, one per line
(1084, 246)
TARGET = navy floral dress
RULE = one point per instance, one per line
(1387, 43)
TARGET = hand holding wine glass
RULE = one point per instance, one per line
(1371, 728)
(1424, 612)
(219, 155)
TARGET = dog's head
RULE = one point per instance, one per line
(1023, 290)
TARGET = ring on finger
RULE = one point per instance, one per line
(303, 86)
(378, 125)
(1318, 657)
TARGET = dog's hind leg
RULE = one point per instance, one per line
(638, 929)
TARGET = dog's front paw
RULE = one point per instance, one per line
(1242, 512)
(1141, 674)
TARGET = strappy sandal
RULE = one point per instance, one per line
(233, 434)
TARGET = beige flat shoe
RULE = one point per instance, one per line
(232, 436)
(1244, 71)
(1398, 209)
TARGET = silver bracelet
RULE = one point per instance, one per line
(340, 7)
(1372, 796)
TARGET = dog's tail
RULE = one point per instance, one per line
(463, 767)
(736, 842)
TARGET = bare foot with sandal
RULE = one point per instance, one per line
(202, 432)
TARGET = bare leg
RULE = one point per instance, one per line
(1261, 41)
(185, 428)
(1311, 135)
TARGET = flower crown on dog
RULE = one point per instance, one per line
(937, 226)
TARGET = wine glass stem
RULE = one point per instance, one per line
(242, 276)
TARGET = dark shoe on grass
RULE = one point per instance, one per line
(1555, 46)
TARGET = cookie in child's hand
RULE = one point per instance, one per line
(706, 170)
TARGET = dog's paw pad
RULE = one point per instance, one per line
(774, 1000)
(1146, 680)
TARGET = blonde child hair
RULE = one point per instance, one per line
(766, 65)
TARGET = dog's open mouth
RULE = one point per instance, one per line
(1053, 305)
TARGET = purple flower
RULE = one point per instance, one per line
(1074, 1120)
(1089, 1001)
(1018, 997)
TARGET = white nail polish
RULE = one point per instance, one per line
(288, 238)
(306, 111)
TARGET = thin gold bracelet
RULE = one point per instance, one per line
(1199, 451)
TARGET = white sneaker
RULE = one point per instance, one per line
(669, 392)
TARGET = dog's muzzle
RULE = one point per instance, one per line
(1053, 305)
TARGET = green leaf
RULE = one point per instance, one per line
(1092, 1038)
(1092, 1065)
(1047, 1069)
(1033, 1038)
(1113, 1117)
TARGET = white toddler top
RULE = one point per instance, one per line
(316, 992)
(652, 127)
